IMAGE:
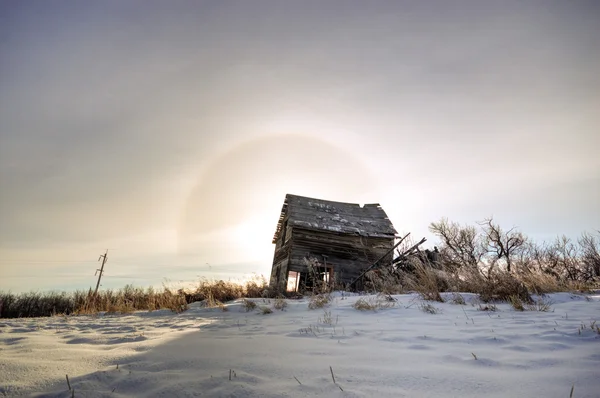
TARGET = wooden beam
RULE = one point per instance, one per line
(381, 258)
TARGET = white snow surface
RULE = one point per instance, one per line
(402, 351)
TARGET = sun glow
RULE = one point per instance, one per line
(253, 238)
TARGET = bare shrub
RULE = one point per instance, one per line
(502, 245)
(590, 255)
(461, 245)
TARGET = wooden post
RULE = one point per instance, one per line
(104, 258)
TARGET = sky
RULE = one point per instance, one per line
(170, 132)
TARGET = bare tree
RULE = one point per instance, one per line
(590, 255)
(503, 246)
(563, 259)
(461, 245)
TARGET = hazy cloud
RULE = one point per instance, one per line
(121, 122)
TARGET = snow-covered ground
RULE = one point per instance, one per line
(403, 351)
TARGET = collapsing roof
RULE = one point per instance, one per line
(347, 218)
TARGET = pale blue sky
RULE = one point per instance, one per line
(170, 132)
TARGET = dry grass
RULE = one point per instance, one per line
(122, 301)
(427, 282)
(319, 301)
(265, 310)
(224, 291)
(457, 299)
(516, 302)
(373, 303)
(542, 283)
(248, 305)
(127, 299)
(496, 286)
(541, 303)
(280, 304)
(428, 308)
(384, 281)
(487, 307)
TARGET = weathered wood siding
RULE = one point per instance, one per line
(348, 255)
(343, 236)
(281, 258)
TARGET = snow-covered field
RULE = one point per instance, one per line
(403, 351)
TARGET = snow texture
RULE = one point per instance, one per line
(460, 351)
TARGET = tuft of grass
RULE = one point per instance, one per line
(487, 307)
(458, 299)
(280, 304)
(319, 301)
(248, 305)
(327, 318)
(516, 302)
(430, 309)
(541, 304)
(427, 283)
(265, 310)
(373, 303)
(384, 280)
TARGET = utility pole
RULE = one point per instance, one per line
(101, 270)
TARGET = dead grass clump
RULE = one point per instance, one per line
(248, 305)
(542, 283)
(487, 307)
(385, 281)
(427, 282)
(319, 301)
(363, 304)
(428, 308)
(516, 302)
(174, 301)
(541, 304)
(373, 303)
(265, 310)
(496, 286)
(457, 299)
(220, 291)
(256, 287)
(280, 304)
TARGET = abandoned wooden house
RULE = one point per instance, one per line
(332, 242)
